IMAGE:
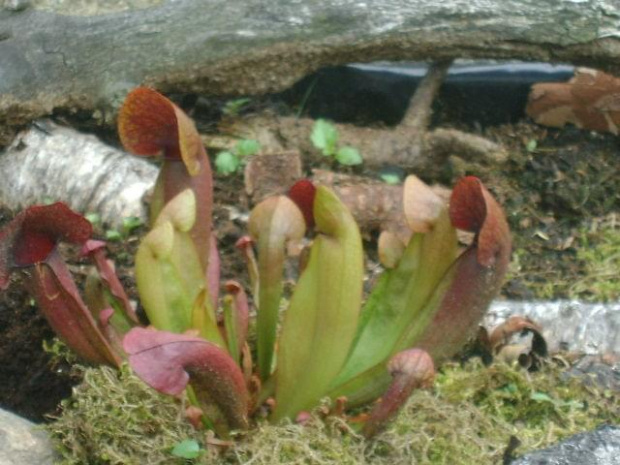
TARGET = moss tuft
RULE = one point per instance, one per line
(468, 418)
(114, 418)
(599, 252)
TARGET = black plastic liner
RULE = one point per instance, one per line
(474, 94)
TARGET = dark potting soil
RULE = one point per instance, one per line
(29, 384)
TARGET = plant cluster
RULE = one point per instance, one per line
(329, 342)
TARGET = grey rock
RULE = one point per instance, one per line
(22, 442)
(601, 372)
(91, 7)
(598, 447)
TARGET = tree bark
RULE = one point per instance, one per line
(49, 163)
(222, 47)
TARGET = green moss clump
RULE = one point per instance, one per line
(599, 251)
(468, 418)
(114, 418)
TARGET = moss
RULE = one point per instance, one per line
(114, 418)
(599, 252)
(469, 417)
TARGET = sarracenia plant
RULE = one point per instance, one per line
(324, 340)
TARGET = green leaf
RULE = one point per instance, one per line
(321, 321)
(227, 163)
(169, 273)
(188, 449)
(230, 325)
(391, 179)
(233, 107)
(349, 156)
(131, 223)
(272, 223)
(113, 235)
(94, 218)
(541, 397)
(203, 319)
(398, 305)
(398, 311)
(247, 147)
(324, 137)
(531, 145)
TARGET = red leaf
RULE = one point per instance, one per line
(242, 310)
(34, 233)
(32, 247)
(303, 193)
(473, 208)
(150, 124)
(96, 251)
(168, 361)
(477, 275)
(52, 285)
(410, 369)
(147, 124)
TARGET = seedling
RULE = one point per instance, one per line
(188, 449)
(230, 161)
(234, 107)
(94, 218)
(129, 225)
(325, 138)
(391, 179)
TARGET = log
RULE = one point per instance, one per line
(218, 47)
(50, 163)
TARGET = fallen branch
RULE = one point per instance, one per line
(53, 163)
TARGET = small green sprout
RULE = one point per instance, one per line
(230, 161)
(391, 179)
(234, 107)
(94, 218)
(188, 449)
(113, 235)
(348, 156)
(128, 225)
(531, 145)
(131, 223)
(392, 175)
(325, 138)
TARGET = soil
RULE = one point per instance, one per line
(30, 386)
(558, 187)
